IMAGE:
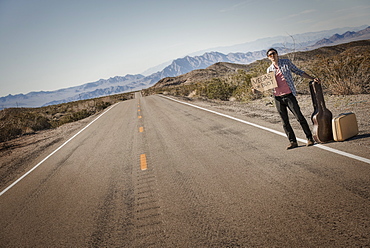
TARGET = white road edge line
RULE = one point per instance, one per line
(346, 154)
(60, 147)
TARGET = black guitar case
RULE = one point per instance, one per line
(321, 117)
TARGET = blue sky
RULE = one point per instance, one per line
(53, 44)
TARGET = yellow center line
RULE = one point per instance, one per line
(141, 129)
(138, 110)
(139, 116)
(143, 164)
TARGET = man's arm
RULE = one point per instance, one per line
(305, 75)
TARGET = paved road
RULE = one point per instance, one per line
(152, 172)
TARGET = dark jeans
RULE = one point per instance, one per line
(283, 103)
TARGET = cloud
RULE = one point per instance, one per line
(237, 6)
(308, 11)
(304, 12)
(306, 21)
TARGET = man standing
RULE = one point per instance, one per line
(285, 96)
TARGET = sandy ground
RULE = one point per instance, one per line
(19, 155)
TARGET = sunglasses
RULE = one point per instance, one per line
(271, 54)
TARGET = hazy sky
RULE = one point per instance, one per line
(53, 44)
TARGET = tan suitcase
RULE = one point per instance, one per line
(344, 126)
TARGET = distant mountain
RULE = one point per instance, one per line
(293, 42)
(187, 64)
(290, 41)
(343, 38)
(156, 68)
(178, 67)
(99, 88)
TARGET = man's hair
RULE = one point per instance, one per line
(271, 49)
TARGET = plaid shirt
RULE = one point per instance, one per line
(286, 66)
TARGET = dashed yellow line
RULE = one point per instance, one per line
(143, 164)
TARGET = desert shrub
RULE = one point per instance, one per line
(40, 123)
(18, 121)
(218, 89)
(237, 85)
(184, 90)
(346, 73)
(102, 105)
(15, 122)
(241, 93)
(9, 132)
(80, 115)
(243, 89)
(74, 116)
(260, 67)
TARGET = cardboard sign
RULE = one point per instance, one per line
(264, 82)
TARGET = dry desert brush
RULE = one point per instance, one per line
(15, 122)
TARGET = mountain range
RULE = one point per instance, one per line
(119, 84)
(101, 87)
(293, 42)
(223, 70)
(340, 38)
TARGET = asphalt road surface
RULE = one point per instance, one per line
(152, 172)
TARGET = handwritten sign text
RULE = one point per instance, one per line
(264, 82)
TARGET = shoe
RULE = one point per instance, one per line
(310, 142)
(292, 145)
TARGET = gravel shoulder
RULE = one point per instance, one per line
(19, 155)
(264, 111)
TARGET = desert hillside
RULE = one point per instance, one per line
(344, 70)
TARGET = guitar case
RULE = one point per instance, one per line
(321, 117)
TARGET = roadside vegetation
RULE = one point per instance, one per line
(343, 69)
(233, 85)
(15, 122)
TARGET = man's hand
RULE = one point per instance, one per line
(316, 80)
